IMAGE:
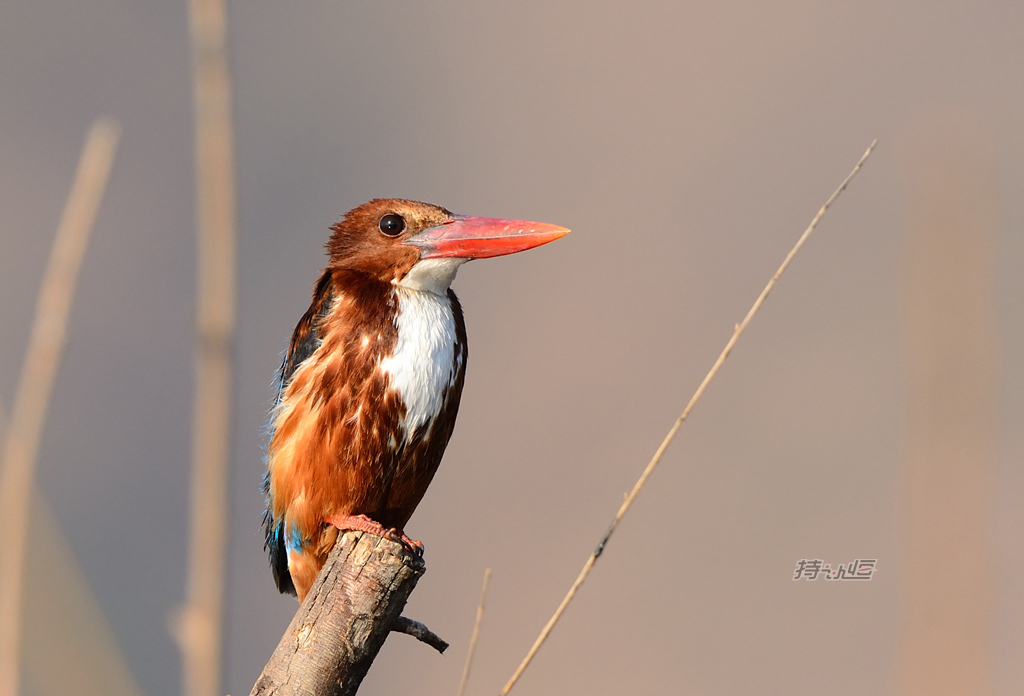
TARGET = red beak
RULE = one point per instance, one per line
(468, 237)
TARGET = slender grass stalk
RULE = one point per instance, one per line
(35, 384)
(69, 619)
(476, 634)
(950, 476)
(199, 626)
(628, 502)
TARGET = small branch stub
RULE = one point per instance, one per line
(356, 602)
(420, 633)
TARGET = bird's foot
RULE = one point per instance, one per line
(362, 523)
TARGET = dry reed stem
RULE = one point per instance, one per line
(199, 626)
(947, 643)
(35, 384)
(675, 427)
(69, 619)
(476, 633)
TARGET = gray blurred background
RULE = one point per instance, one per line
(687, 145)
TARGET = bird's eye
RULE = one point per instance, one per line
(392, 225)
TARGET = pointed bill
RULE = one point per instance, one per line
(468, 237)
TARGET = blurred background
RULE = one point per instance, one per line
(868, 413)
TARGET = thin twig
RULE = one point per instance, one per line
(199, 626)
(476, 633)
(35, 384)
(420, 632)
(675, 427)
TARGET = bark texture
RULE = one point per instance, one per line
(337, 632)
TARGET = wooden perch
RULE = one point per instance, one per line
(356, 602)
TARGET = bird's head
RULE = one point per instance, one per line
(421, 246)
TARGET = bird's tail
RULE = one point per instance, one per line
(275, 545)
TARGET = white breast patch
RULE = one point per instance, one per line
(424, 361)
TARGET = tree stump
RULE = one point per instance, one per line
(355, 602)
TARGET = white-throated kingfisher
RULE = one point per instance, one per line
(370, 387)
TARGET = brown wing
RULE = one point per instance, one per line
(305, 340)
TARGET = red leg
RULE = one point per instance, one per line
(362, 523)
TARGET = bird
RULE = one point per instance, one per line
(369, 388)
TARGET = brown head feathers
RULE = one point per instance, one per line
(369, 237)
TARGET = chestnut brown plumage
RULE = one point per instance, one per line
(370, 387)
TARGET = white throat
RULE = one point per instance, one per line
(432, 275)
(426, 361)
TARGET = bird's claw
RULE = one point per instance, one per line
(362, 523)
